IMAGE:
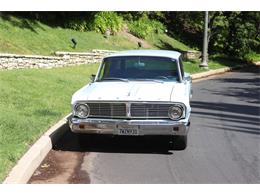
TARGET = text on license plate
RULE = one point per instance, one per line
(128, 132)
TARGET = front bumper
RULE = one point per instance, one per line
(143, 127)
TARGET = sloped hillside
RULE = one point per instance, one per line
(24, 36)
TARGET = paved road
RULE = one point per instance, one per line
(223, 142)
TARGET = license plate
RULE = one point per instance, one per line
(128, 132)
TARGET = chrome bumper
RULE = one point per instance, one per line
(143, 127)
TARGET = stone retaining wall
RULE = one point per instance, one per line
(191, 55)
(61, 59)
(257, 63)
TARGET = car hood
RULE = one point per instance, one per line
(130, 91)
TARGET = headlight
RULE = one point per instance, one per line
(81, 110)
(175, 112)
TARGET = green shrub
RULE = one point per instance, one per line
(78, 24)
(144, 27)
(158, 27)
(252, 56)
(104, 21)
(240, 39)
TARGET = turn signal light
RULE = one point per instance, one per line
(81, 126)
(175, 128)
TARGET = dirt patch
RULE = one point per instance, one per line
(79, 176)
(135, 39)
(61, 167)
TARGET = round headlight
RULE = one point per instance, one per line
(82, 110)
(175, 112)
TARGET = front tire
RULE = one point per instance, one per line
(178, 142)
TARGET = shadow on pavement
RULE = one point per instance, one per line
(244, 88)
(241, 113)
(108, 144)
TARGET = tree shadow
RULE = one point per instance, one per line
(166, 46)
(229, 117)
(228, 108)
(242, 116)
(254, 131)
(229, 62)
(248, 92)
(21, 22)
(53, 19)
(226, 117)
(248, 95)
(111, 144)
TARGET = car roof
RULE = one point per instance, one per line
(154, 53)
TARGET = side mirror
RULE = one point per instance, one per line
(187, 78)
(92, 77)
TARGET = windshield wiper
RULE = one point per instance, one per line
(114, 79)
(154, 80)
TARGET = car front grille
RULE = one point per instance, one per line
(112, 110)
(136, 110)
(141, 110)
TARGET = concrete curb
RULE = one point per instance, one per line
(209, 73)
(26, 166)
(22, 172)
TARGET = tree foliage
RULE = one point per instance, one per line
(242, 33)
(107, 21)
(232, 33)
(145, 27)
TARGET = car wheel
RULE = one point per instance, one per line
(178, 142)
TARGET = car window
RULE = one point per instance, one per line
(139, 67)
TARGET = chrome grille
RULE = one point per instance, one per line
(141, 110)
(112, 110)
(137, 110)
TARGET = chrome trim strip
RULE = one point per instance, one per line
(128, 109)
(121, 101)
(145, 127)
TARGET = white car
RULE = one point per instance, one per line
(136, 93)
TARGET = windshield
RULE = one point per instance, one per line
(138, 68)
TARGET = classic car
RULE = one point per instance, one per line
(136, 93)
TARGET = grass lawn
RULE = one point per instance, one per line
(163, 41)
(215, 63)
(31, 101)
(23, 36)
